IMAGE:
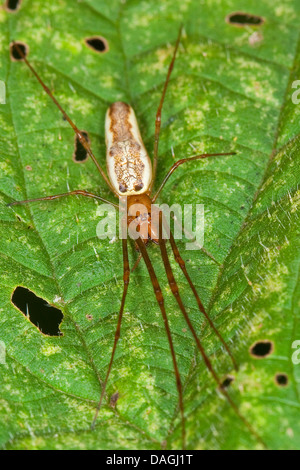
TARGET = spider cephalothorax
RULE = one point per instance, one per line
(142, 218)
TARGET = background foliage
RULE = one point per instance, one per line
(230, 90)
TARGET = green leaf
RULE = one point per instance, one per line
(231, 90)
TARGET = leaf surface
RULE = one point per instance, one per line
(231, 90)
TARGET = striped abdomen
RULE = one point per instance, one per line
(128, 164)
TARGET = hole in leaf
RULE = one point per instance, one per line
(80, 155)
(242, 19)
(17, 49)
(261, 349)
(281, 379)
(97, 43)
(12, 5)
(43, 315)
(227, 381)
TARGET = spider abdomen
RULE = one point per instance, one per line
(128, 164)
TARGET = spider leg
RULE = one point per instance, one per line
(126, 277)
(160, 301)
(184, 160)
(79, 134)
(79, 192)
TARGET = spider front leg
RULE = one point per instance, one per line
(184, 160)
(160, 106)
(79, 192)
(79, 134)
